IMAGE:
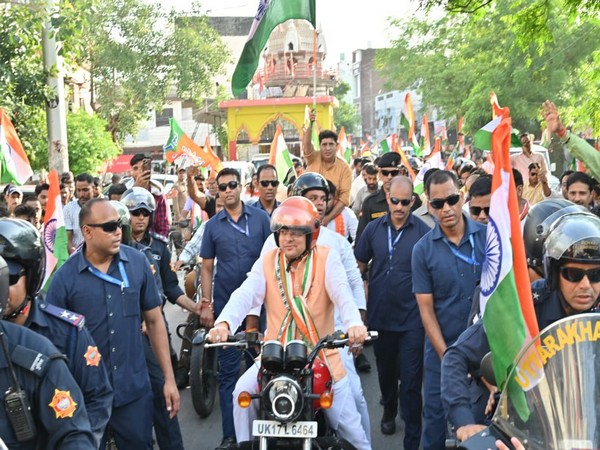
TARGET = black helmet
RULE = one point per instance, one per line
(537, 224)
(572, 237)
(138, 198)
(125, 219)
(20, 243)
(309, 181)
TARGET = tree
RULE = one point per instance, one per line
(454, 62)
(346, 115)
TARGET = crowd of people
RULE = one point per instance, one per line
(343, 246)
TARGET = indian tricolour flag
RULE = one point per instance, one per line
(14, 164)
(388, 144)
(433, 162)
(280, 155)
(407, 118)
(425, 139)
(344, 147)
(270, 13)
(54, 232)
(506, 301)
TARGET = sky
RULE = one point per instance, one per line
(347, 24)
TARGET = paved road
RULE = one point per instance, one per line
(205, 434)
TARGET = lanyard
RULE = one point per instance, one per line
(106, 277)
(237, 227)
(392, 245)
(462, 257)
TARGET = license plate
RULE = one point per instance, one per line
(272, 428)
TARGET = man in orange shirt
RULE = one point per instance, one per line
(286, 269)
(330, 166)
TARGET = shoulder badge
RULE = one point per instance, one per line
(29, 359)
(159, 237)
(63, 404)
(92, 356)
(77, 320)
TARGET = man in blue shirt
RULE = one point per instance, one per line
(392, 310)
(23, 251)
(235, 237)
(446, 267)
(267, 183)
(113, 287)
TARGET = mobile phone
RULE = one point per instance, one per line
(147, 164)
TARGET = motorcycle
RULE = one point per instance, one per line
(552, 397)
(203, 364)
(294, 388)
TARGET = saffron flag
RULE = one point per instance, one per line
(270, 13)
(54, 232)
(451, 159)
(280, 155)
(344, 148)
(407, 118)
(15, 167)
(497, 110)
(182, 150)
(506, 301)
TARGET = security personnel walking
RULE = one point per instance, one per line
(572, 286)
(43, 406)
(446, 267)
(21, 247)
(392, 310)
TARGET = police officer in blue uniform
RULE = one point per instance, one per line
(140, 206)
(572, 286)
(22, 249)
(112, 285)
(34, 373)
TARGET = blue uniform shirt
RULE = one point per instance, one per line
(56, 401)
(449, 278)
(237, 246)
(259, 205)
(391, 304)
(459, 393)
(113, 314)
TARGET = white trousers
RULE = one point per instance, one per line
(343, 416)
(357, 392)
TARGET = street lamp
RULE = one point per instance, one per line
(56, 116)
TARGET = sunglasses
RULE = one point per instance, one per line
(140, 212)
(387, 173)
(265, 183)
(107, 227)
(14, 278)
(231, 185)
(402, 201)
(476, 210)
(575, 275)
(438, 203)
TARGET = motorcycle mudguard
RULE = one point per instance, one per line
(199, 336)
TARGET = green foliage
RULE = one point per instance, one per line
(90, 145)
(456, 61)
(341, 89)
(136, 53)
(346, 115)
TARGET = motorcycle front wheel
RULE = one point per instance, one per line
(203, 379)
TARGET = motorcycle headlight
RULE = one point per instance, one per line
(283, 399)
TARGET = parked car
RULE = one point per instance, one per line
(260, 160)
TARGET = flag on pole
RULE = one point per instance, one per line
(344, 147)
(451, 159)
(497, 110)
(14, 164)
(426, 145)
(388, 144)
(280, 155)
(270, 13)
(506, 301)
(433, 162)
(405, 162)
(54, 231)
(461, 137)
(182, 150)
(407, 118)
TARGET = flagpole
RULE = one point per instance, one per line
(315, 69)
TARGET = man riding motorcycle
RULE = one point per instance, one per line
(300, 283)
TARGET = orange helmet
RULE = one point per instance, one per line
(297, 214)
